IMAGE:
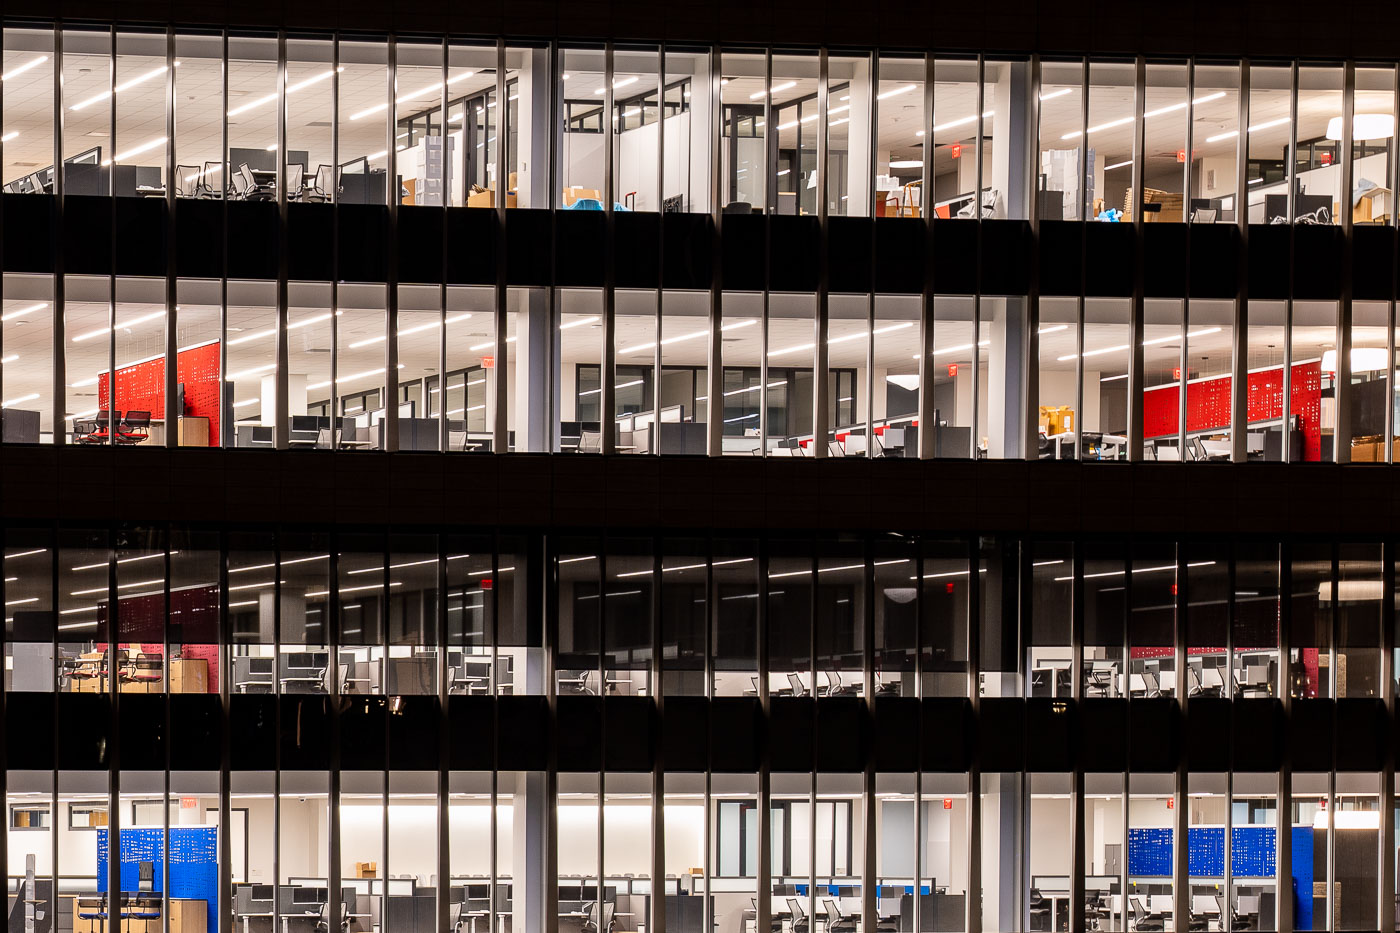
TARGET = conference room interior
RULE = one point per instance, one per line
(269, 610)
(118, 94)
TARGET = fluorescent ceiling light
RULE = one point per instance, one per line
(1125, 164)
(909, 383)
(126, 324)
(1053, 328)
(690, 336)
(291, 89)
(907, 163)
(21, 312)
(1268, 124)
(1364, 126)
(894, 93)
(16, 72)
(622, 82)
(416, 95)
(405, 331)
(489, 343)
(23, 398)
(786, 85)
(1146, 343)
(620, 385)
(246, 402)
(964, 120)
(1060, 93)
(12, 134)
(579, 323)
(1363, 360)
(1170, 108)
(959, 348)
(9, 359)
(256, 370)
(364, 375)
(144, 147)
(845, 338)
(139, 79)
(304, 322)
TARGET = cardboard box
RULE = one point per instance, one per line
(576, 193)
(488, 199)
(189, 675)
(1373, 206)
(366, 869)
(1371, 449)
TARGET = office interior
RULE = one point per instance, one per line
(638, 128)
(242, 616)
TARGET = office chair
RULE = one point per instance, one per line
(295, 176)
(249, 188)
(1151, 684)
(798, 688)
(1143, 920)
(1238, 921)
(737, 207)
(800, 923)
(187, 183)
(134, 428)
(322, 185)
(590, 442)
(835, 688)
(775, 922)
(209, 184)
(591, 924)
(837, 922)
(323, 922)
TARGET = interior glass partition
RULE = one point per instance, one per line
(1215, 130)
(1254, 821)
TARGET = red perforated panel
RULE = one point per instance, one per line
(1208, 404)
(141, 387)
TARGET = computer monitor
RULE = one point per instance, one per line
(261, 892)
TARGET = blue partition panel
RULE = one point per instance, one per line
(194, 863)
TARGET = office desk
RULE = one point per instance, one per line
(254, 916)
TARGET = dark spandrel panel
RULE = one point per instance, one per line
(1111, 249)
(842, 734)
(578, 733)
(471, 246)
(1001, 734)
(742, 238)
(901, 255)
(306, 732)
(196, 731)
(580, 248)
(470, 733)
(628, 744)
(954, 257)
(29, 220)
(1006, 257)
(85, 736)
(790, 724)
(795, 252)
(1363, 733)
(363, 732)
(1051, 733)
(143, 737)
(363, 242)
(29, 735)
(310, 242)
(1318, 253)
(1165, 247)
(253, 239)
(850, 240)
(685, 734)
(1206, 738)
(199, 238)
(140, 228)
(87, 235)
(1268, 260)
(252, 724)
(523, 733)
(1102, 734)
(946, 732)
(734, 734)
(529, 254)
(1061, 257)
(637, 254)
(1256, 734)
(688, 250)
(1156, 718)
(896, 731)
(414, 736)
(1310, 734)
(420, 244)
(1373, 262)
(1215, 260)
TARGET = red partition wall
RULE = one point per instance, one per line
(141, 386)
(1208, 404)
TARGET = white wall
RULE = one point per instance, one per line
(636, 162)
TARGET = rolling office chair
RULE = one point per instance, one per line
(775, 922)
(211, 183)
(590, 442)
(799, 689)
(592, 925)
(837, 922)
(323, 185)
(295, 177)
(323, 922)
(737, 207)
(1238, 921)
(247, 186)
(800, 922)
(187, 183)
(1096, 912)
(134, 428)
(1144, 920)
(1195, 688)
(835, 688)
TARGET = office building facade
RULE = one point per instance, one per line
(549, 642)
